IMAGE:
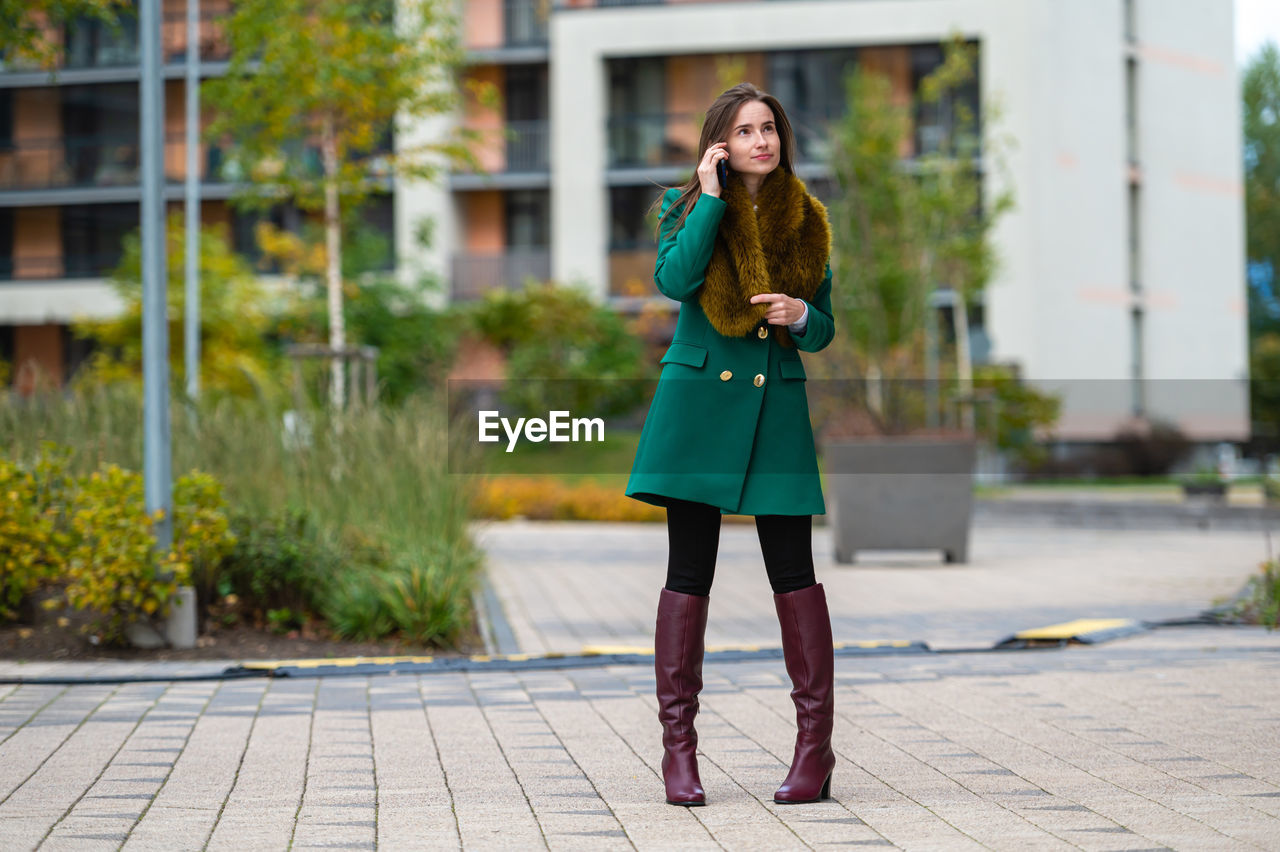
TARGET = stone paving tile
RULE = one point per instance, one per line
(123, 792)
(260, 810)
(339, 798)
(489, 804)
(1022, 751)
(31, 811)
(414, 807)
(186, 808)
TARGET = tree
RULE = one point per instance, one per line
(1261, 108)
(903, 229)
(235, 358)
(28, 27)
(1261, 93)
(333, 76)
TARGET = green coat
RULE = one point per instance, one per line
(715, 432)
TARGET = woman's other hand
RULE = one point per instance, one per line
(707, 168)
(783, 310)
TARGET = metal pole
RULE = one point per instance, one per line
(157, 453)
(155, 332)
(192, 221)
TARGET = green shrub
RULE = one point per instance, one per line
(565, 352)
(111, 568)
(202, 535)
(93, 538)
(31, 545)
(428, 598)
(1261, 603)
(372, 486)
(277, 562)
(354, 607)
(285, 564)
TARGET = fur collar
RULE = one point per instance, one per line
(782, 247)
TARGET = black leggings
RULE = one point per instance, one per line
(693, 530)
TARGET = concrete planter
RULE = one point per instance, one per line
(900, 493)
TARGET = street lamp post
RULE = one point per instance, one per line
(157, 452)
(191, 335)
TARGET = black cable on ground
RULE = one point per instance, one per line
(1054, 637)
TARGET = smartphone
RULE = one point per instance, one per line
(722, 171)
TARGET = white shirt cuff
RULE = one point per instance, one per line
(801, 324)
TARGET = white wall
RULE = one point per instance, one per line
(1191, 149)
(41, 302)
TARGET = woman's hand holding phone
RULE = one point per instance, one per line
(707, 168)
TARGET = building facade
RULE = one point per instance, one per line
(70, 187)
(1121, 278)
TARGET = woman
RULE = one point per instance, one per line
(728, 430)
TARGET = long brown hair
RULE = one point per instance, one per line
(715, 128)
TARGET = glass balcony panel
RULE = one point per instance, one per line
(651, 140)
(528, 145)
(476, 274)
(93, 44)
(215, 46)
(525, 22)
(98, 161)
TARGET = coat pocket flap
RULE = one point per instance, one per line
(689, 354)
(791, 369)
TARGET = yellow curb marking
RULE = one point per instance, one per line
(1071, 629)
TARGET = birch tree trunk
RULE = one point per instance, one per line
(333, 264)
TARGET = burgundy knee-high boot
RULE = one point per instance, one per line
(810, 659)
(678, 648)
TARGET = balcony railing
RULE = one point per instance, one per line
(49, 267)
(476, 274)
(96, 45)
(95, 161)
(665, 139)
(528, 146)
(525, 22)
(517, 146)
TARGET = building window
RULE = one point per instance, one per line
(92, 44)
(6, 243)
(6, 119)
(637, 111)
(936, 124)
(528, 213)
(526, 92)
(631, 224)
(528, 147)
(378, 227)
(93, 237)
(100, 133)
(810, 85)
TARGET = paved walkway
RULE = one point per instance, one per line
(590, 585)
(1165, 740)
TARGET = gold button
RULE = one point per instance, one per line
(762, 332)
(759, 380)
(726, 376)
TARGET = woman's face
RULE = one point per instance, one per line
(753, 140)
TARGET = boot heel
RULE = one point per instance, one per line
(826, 788)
